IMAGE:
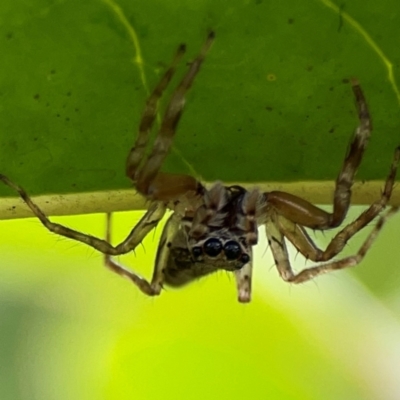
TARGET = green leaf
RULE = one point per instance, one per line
(269, 105)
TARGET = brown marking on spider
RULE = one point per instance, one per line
(216, 228)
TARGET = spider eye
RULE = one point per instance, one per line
(245, 258)
(212, 247)
(197, 252)
(232, 250)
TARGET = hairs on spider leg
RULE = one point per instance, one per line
(265, 250)
(273, 266)
(229, 275)
(295, 256)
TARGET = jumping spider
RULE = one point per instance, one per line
(216, 228)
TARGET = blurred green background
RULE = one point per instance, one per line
(70, 329)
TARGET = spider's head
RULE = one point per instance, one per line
(222, 231)
(223, 251)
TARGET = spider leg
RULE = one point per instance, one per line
(244, 280)
(304, 213)
(136, 154)
(142, 228)
(279, 251)
(312, 272)
(149, 181)
(164, 251)
(246, 220)
(114, 266)
(300, 239)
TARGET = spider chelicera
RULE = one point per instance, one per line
(216, 228)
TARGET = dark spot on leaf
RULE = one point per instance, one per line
(331, 130)
(345, 80)
(302, 142)
(290, 21)
(69, 94)
(309, 68)
(36, 96)
(9, 35)
(331, 88)
(268, 108)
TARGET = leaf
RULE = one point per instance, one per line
(269, 105)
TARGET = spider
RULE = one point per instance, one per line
(216, 228)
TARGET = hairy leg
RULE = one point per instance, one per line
(164, 251)
(312, 272)
(143, 227)
(116, 267)
(244, 280)
(279, 251)
(281, 258)
(147, 173)
(304, 213)
(300, 239)
(137, 153)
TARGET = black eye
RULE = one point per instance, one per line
(197, 252)
(212, 247)
(232, 250)
(245, 258)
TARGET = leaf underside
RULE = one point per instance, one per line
(271, 103)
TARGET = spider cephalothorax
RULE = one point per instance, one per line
(224, 227)
(216, 228)
(217, 235)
